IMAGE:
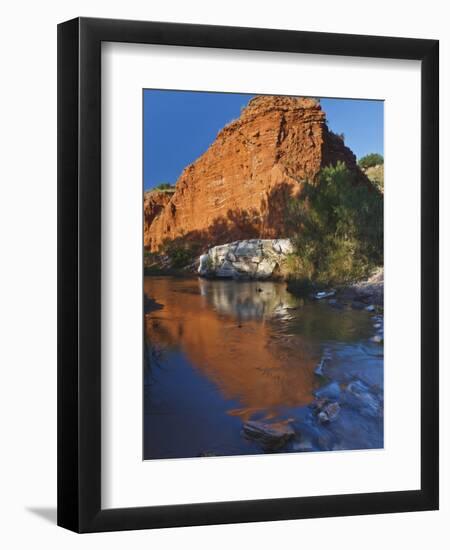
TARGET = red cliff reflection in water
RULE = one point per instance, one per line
(226, 330)
(220, 353)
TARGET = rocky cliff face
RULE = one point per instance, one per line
(154, 203)
(239, 187)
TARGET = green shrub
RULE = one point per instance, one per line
(164, 187)
(180, 252)
(337, 229)
(373, 159)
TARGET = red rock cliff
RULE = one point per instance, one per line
(239, 187)
(154, 203)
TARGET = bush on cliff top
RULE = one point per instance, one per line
(373, 159)
(164, 187)
(337, 229)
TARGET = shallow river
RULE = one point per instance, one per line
(220, 353)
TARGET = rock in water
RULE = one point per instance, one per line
(270, 437)
(249, 259)
(319, 368)
(324, 294)
(240, 186)
(329, 412)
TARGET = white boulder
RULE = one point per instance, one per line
(247, 259)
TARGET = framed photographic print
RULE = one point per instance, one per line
(248, 275)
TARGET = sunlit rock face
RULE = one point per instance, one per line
(154, 203)
(239, 188)
(245, 260)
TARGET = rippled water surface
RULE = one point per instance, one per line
(219, 353)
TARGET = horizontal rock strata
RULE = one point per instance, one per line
(238, 189)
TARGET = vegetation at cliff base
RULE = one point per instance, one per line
(178, 253)
(337, 230)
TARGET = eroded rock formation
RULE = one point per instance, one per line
(154, 203)
(239, 187)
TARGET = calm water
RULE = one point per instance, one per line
(220, 353)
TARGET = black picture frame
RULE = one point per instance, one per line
(79, 274)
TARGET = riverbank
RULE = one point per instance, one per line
(369, 290)
(268, 260)
(365, 294)
(155, 271)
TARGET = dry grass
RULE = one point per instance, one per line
(376, 176)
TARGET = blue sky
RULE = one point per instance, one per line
(180, 126)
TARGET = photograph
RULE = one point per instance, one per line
(263, 274)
